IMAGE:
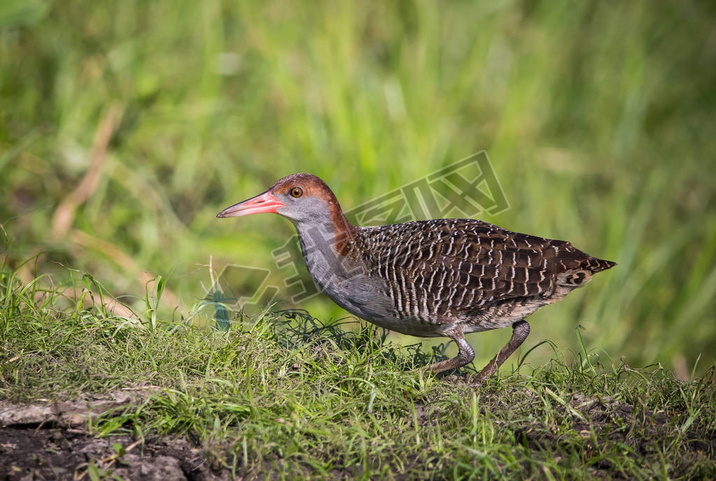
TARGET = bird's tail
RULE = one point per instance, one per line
(578, 277)
(597, 265)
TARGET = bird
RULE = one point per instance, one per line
(426, 278)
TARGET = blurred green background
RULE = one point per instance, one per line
(126, 126)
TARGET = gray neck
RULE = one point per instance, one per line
(325, 252)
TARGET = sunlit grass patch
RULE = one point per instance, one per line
(286, 393)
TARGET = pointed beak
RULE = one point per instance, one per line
(262, 203)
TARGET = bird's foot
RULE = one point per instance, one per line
(486, 372)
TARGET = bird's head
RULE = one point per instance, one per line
(302, 198)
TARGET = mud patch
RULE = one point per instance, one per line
(50, 441)
(65, 454)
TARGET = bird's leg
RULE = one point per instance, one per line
(464, 356)
(520, 331)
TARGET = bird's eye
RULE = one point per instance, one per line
(296, 192)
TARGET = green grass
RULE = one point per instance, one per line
(289, 395)
(126, 126)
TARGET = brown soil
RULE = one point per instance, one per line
(50, 441)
